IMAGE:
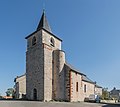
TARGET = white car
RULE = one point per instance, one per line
(94, 98)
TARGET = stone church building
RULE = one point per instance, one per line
(48, 75)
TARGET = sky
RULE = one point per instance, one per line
(90, 30)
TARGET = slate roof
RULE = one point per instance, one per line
(115, 90)
(44, 23)
(19, 77)
(86, 79)
(73, 68)
(97, 86)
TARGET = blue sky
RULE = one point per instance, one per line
(90, 30)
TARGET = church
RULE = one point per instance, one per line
(48, 75)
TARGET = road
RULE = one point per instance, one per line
(51, 104)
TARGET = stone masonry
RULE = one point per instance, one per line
(48, 75)
(20, 86)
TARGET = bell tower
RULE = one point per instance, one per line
(39, 61)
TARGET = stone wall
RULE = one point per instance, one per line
(67, 83)
(46, 37)
(90, 87)
(49, 48)
(39, 66)
(75, 87)
(98, 91)
(47, 73)
(20, 86)
(35, 67)
(59, 75)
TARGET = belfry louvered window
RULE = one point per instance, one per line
(34, 40)
(52, 42)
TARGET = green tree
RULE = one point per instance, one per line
(10, 92)
(105, 94)
(0, 96)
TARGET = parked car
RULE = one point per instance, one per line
(94, 98)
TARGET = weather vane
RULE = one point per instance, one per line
(44, 5)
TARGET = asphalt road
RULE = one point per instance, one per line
(51, 104)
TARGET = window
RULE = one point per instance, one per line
(35, 94)
(77, 86)
(52, 42)
(52, 82)
(85, 88)
(34, 40)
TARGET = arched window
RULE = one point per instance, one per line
(35, 94)
(34, 40)
(52, 42)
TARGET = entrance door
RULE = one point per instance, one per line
(35, 94)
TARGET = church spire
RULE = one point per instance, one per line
(44, 23)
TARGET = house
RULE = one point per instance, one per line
(20, 86)
(98, 90)
(115, 93)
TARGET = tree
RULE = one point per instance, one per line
(10, 92)
(0, 96)
(105, 94)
